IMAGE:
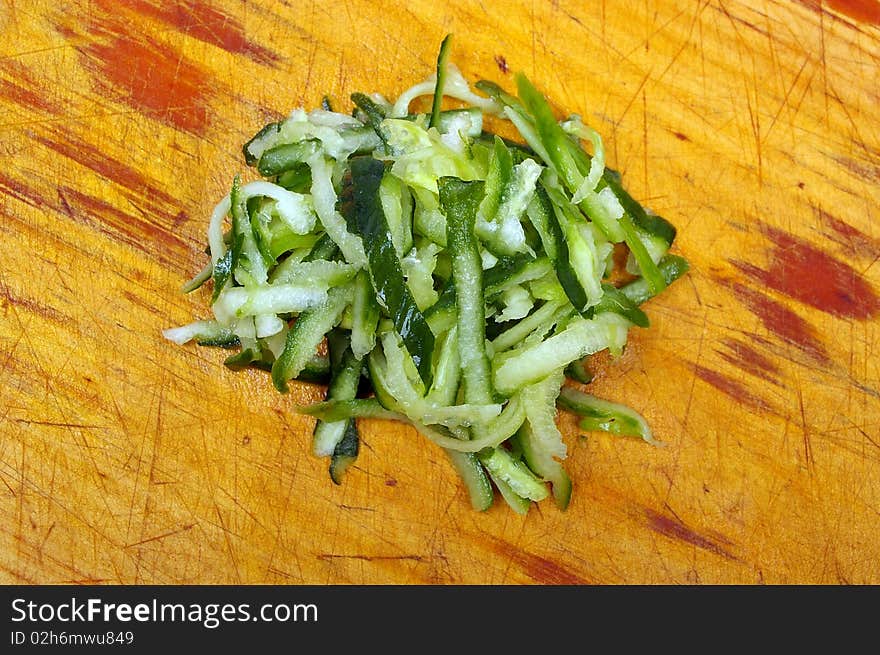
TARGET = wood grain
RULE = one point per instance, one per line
(754, 126)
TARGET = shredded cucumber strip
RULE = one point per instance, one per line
(460, 201)
(238, 302)
(324, 198)
(541, 318)
(409, 395)
(604, 415)
(206, 330)
(345, 372)
(306, 335)
(456, 87)
(521, 480)
(581, 338)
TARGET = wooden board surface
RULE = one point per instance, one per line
(754, 126)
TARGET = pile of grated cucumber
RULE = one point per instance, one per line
(431, 272)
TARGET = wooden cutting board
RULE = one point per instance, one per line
(753, 126)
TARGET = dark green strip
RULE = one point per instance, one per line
(249, 158)
(615, 301)
(285, 157)
(297, 179)
(651, 223)
(226, 265)
(324, 248)
(442, 56)
(346, 452)
(366, 218)
(375, 114)
(671, 268)
(340, 410)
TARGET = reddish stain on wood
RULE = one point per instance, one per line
(866, 11)
(143, 303)
(33, 306)
(158, 202)
(840, 227)
(152, 77)
(867, 171)
(72, 147)
(750, 360)
(538, 568)
(19, 85)
(813, 277)
(674, 529)
(783, 322)
(863, 11)
(854, 240)
(200, 20)
(69, 32)
(138, 232)
(730, 387)
(16, 189)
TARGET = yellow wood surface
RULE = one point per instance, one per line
(753, 126)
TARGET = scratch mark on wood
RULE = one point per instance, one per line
(730, 387)
(784, 103)
(675, 529)
(87, 581)
(750, 84)
(374, 558)
(60, 424)
(865, 434)
(229, 549)
(21, 192)
(26, 483)
(645, 138)
(23, 88)
(870, 172)
(536, 567)
(159, 537)
(808, 447)
(138, 232)
(824, 62)
(854, 240)
(245, 509)
(34, 307)
(42, 544)
(855, 135)
(635, 95)
(755, 119)
(36, 51)
(283, 574)
(67, 144)
(750, 360)
(8, 486)
(686, 41)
